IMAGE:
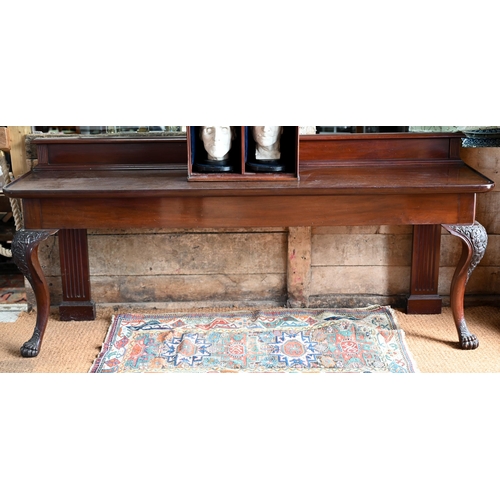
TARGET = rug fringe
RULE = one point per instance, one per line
(104, 346)
(408, 353)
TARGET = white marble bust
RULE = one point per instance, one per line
(217, 141)
(267, 142)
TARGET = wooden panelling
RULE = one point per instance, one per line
(362, 230)
(18, 150)
(185, 288)
(299, 266)
(361, 250)
(183, 254)
(4, 139)
(485, 280)
(375, 280)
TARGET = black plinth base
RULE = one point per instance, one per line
(270, 166)
(213, 166)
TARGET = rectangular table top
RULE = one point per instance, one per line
(350, 179)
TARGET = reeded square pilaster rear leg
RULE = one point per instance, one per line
(474, 240)
(25, 256)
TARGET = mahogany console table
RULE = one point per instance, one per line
(353, 179)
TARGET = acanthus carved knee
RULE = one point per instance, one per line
(477, 236)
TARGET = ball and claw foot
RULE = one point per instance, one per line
(31, 348)
(468, 340)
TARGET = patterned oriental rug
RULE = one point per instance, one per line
(366, 340)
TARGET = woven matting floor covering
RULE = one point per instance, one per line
(72, 347)
(365, 340)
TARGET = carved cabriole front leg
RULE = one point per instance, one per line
(474, 240)
(25, 256)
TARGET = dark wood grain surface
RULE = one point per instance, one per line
(448, 177)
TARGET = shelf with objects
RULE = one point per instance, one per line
(243, 153)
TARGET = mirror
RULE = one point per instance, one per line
(113, 129)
